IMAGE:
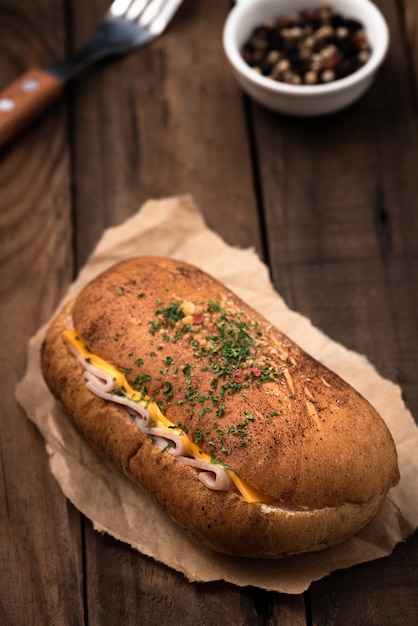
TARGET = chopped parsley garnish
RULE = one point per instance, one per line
(227, 353)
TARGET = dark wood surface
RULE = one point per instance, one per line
(330, 204)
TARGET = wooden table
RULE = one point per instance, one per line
(330, 204)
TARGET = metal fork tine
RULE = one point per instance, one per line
(136, 9)
(158, 14)
(166, 14)
(150, 12)
(120, 7)
(128, 24)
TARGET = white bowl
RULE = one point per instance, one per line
(303, 100)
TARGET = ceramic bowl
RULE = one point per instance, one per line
(303, 100)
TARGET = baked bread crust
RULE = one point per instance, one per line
(310, 440)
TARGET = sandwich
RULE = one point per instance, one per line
(251, 445)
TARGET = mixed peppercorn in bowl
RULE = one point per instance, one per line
(304, 58)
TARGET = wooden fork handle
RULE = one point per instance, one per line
(24, 100)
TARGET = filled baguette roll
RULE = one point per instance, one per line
(247, 442)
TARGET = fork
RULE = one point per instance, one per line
(128, 24)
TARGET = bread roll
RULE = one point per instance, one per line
(242, 392)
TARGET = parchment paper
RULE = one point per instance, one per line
(174, 227)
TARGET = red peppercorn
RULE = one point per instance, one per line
(329, 64)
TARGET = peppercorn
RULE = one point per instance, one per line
(327, 76)
(310, 47)
(310, 78)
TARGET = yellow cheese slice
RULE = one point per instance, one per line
(249, 494)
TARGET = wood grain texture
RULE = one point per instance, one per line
(409, 22)
(341, 223)
(149, 593)
(165, 120)
(382, 593)
(39, 531)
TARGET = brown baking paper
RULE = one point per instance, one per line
(174, 227)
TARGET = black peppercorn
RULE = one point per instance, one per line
(310, 47)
